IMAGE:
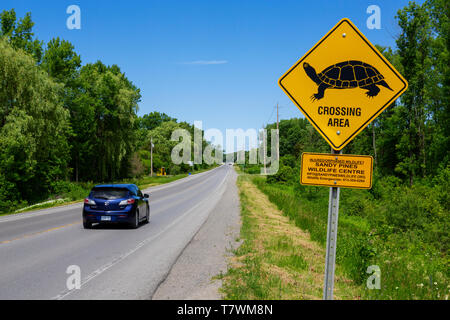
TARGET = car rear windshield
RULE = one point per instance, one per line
(109, 193)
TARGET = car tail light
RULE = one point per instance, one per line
(126, 202)
(89, 202)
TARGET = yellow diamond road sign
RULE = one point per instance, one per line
(342, 84)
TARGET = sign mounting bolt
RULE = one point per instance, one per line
(344, 35)
(338, 132)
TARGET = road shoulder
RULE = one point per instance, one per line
(192, 277)
(277, 260)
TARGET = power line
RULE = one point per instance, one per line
(273, 110)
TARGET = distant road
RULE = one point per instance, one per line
(36, 248)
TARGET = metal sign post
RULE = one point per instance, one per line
(330, 258)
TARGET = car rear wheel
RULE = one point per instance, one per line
(147, 218)
(87, 225)
(135, 223)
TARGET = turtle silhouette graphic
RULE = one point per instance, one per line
(347, 75)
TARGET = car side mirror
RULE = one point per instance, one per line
(146, 195)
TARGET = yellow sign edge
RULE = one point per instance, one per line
(399, 93)
(338, 155)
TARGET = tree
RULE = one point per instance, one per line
(104, 116)
(154, 119)
(414, 50)
(61, 61)
(63, 64)
(33, 128)
(439, 128)
(161, 136)
(20, 34)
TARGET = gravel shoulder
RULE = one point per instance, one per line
(192, 277)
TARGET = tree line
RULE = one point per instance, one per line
(61, 120)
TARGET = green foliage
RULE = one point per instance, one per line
(287, 172)
(251, 169)
(163, 146)
(61, 121)
(441, 185)
(61, 61)
(103, 120)
(154, 119)
(414, 51)
(34, 128)
(19, 33)
(137, 167)
(297, 136)
(403, 232)
(71, 190)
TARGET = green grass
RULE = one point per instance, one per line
(276, 260)
(402, 230)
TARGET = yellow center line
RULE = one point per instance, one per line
(40, 232)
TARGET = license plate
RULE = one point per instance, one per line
(105, 218)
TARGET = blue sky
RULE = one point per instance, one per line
(215, 61)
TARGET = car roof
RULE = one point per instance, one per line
(132, 187)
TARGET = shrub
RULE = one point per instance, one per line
(284, 175)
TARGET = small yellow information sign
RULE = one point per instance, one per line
(342, 84)
(336, 170)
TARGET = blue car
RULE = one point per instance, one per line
(116, 203)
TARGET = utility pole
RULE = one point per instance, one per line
(277, 115)
(278, 140)
(264, 146)
(151, 157)
(374, 144)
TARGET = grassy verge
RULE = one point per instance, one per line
(398, 231)
(277, 260)
(72, 192)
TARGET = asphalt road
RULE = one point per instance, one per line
(194, 275)
(36, 248)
